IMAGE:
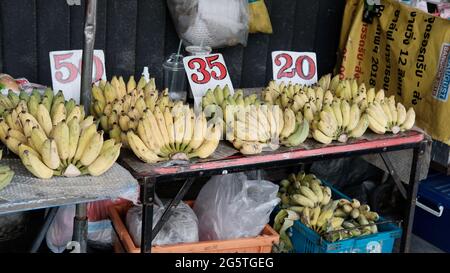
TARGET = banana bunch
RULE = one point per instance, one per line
(222, 98)
(6, 174)
(385, 116)
(9, 101)
(305, 101)
(176, 133)
(255, 127)
(119, 105)
(307, 196)
(339, 122)
(335, 220)
(53, 137)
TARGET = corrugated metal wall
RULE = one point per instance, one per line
(138, 33)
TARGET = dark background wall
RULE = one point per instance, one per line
(138, 33)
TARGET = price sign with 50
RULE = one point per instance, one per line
(66, 70)
(294, 67)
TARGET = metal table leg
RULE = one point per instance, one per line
(412, 189)
(148, 199)
(149, 233)
(41, 235)
(80, 226)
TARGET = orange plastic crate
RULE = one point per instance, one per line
(124, 243)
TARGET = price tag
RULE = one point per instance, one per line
(206, 72)
(294, 67)
(66, 71)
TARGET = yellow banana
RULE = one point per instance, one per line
(354, 117)
(104, 161)
(379, 96)
(35, 165)
(49, 152)
(401, 114)
(76, 112)
(375, 126)
(145, 134)
(361, 127)
(59, 114)
(188, 130)
(88, 121)
(336, 106)
(321, 137)
(200, 130)
(409, 121)
(131, 84)
(74, 135)
(150, 119)
(93, 149)
(141, 150)
(44, 119)
(84, 140)
(17, 135)
(210, 144)
(168, 119)
(124, 122)
(12, 144)
(345, 110)
(162, 126)
(37, 138)
(61, 135)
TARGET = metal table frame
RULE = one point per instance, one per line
(160, 176)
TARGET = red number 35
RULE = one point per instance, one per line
(209, 62)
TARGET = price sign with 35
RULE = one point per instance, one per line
(206, 72)
(294, 67)
(66, 71)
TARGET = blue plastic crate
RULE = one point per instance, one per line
(305, 240)
(432, 215)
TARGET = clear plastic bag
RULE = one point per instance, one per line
(214, 23)
(60, 231)
(230, 206)
(182, 226)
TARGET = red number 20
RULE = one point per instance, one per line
(211, 62)
(283, 73)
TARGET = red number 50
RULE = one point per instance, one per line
(211, 63)
(283, 73)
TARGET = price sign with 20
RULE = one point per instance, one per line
(206, 72)
(294, 67)
(66, 70)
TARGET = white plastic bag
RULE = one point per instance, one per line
(230, 206)
(60, 231)
(182, 226)
(214, 23)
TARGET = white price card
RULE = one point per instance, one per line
(206, 72)
(294, 67)
(66, 71)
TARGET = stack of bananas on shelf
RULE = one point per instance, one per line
(255, 127)
(176, 133)
(339, 122)
(119, 105)
(222, 97)
(335, 220)
(340, 109)
(252, 126)
(53, 137)
(383, 113)
(6, 174)
(306, 101)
